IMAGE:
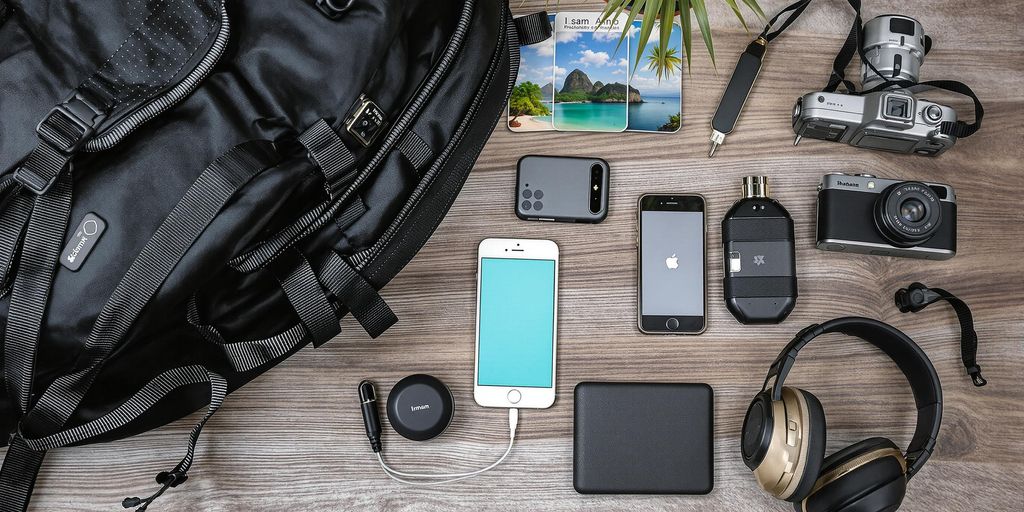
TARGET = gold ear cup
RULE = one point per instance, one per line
(856, 463)
(872, 473)
(786, 462)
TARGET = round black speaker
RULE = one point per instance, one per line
(420, 407)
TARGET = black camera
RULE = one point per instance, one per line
(860, 213)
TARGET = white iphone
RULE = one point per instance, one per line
(516, 323)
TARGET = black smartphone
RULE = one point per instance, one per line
(562, 189)
(672, 269)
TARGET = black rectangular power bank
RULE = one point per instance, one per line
(643, 438)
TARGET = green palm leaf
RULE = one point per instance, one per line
(652, 12)
(664, 62)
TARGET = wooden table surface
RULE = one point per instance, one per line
(293, 439)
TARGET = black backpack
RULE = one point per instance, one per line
(218, 184)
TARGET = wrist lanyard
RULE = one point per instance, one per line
(749, 66)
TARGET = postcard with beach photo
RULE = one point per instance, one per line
(529, 107)
(590, 75)
(656, 85)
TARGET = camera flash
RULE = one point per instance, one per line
(871, 184)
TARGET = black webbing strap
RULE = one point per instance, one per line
(249, 354)
(331, 155)
(794, 10)
(359, 296)
(198, 207)
(18, 475)
(30, 290)
(13, 219)
(351, 213)
(916, 297)
(309, 300)
(4, 12)
(533, 28)
(137, 405)
(968, 336)
(21, 465)
(415, 150)
(850, 47)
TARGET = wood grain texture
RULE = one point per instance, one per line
(293, 438)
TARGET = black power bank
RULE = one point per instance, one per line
(643, 438)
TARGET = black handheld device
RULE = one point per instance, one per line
(735, 95)
(562, 189)
(760, 257)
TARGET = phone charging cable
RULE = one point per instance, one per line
(371, 420)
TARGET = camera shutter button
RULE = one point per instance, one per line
(933, 113)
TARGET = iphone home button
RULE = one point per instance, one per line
(514, 396)
(672, 324)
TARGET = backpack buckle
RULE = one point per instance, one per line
(32, 181)
(69, 125)
(366, 122)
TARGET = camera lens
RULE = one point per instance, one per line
(907, 213)
(912, 210)
(894, 46)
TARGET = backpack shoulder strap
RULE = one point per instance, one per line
(186, 222)
(24, 457)
(18, 475)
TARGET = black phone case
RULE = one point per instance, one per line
(558, 188)
(643, 438)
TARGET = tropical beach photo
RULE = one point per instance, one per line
(529, 107)
(658, 80)
(590, 76)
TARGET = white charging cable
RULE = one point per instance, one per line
(513, 422)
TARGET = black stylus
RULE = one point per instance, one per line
(736, 92)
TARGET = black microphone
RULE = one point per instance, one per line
(371, 418)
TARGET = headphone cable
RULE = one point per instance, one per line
(513, 423)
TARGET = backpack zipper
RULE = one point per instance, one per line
(114, 135)
(321, 215)
(360, 259)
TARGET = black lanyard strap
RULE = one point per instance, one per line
(795, 10)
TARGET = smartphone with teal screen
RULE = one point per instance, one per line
(516, 323)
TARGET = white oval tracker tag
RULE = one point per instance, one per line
(80, 245)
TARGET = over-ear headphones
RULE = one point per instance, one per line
(783, 438)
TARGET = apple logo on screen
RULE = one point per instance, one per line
(672, 262)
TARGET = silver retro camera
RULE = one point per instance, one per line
(892, 119)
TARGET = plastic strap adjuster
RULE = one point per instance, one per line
(68, 126)
(34, 182)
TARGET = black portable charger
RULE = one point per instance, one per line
(760, 256)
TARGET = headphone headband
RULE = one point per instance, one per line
(908, 356)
